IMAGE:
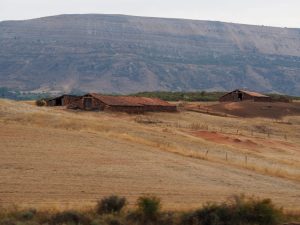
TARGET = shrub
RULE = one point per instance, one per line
(240, 211)
(109, 219)
(149, 207)
(114, 222)
(111, 204)
(69, 217)
(167, 218)
(8, 222)
(40, 102)
(257, 211)
(162, 218)
(210, 214)
(28, 214)
(97, 222)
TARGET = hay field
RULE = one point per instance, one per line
(54, 157)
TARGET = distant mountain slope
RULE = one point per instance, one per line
(115, 53)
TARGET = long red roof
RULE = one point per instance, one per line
(254, 94)
(251, 93)
(129, 100)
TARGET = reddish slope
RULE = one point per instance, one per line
(256, 109)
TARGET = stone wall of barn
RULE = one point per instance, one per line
(127, 109)
(63, 100)
(67, 100)
(96, 104)
(51, 102)
(160, 108)
(230, 97)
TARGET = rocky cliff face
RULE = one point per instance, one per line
(114, 53)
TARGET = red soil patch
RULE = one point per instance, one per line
(275, 110)
(223, 139)
(244, 142)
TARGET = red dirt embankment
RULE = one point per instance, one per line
(242, 141)
(274, 110)
(224, 139)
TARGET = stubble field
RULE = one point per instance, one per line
(53, 157)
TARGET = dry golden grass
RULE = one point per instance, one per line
(53, 157)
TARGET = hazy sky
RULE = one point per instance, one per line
(284, 13)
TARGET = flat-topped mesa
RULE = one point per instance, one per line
(125, 54)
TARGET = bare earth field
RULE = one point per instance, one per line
(53, 157)
(248, 109)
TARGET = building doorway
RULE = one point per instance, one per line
(58, 102)
(87, 102)
(240, 96)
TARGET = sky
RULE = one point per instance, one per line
(280, 13)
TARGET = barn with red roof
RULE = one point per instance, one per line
(130, 104)
(243, 95)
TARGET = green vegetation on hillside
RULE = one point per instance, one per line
(27, 95)
(202, 96)
(182, 96)
(18, 95)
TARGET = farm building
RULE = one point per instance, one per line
(242, 95)
(62, 100)
(129, 104)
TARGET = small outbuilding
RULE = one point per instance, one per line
(242, 95)
(62, 100)
(93, 101)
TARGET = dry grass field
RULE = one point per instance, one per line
(53, 157)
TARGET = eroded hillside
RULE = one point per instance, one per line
(114, 53)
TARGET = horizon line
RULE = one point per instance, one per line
(150, 17)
